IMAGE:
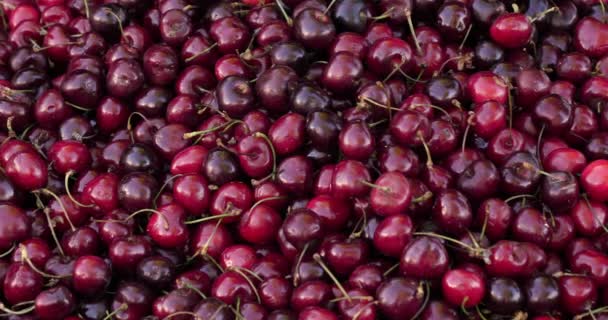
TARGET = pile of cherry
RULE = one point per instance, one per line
(302, 159)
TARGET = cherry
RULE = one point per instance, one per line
(127, 252)
(232, 285)
(155, 271)
(27, 171)
(342, 72)
(406, 304)
(463, 288)
(334, 213)
(220, 166)
(588, 217)
(560, 191)
(14, 224)
(272, 88)
(230, 34)
(294, 175)
(424, 257)
(542, 293)
(589, 37)
(212, 307)
(160, 63)
(125, 77)
(393, 234)
(302, 227)
(55, 302)
(176, 301)
(591, 180)
(577, 293)
(210, 238)
(504, 296)
(21, 283)
(69, 156)
(191, 191)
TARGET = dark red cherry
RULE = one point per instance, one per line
(461, 287)
(160, 64)
(400, 297)
(342, 73)
(56, 302)
(27, 171)
(425, 258)
(314, 28)
(577, 293)
(21, 283)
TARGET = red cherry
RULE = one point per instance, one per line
(463, 288)
(511, 30)
(594, 180)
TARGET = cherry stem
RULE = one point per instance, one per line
(429, 160)
(484, 225)
(265, 200)
(253, 288)
(7, 252)
(251, 273)
(146, 210)
(193, 134)
(480, 313)
(130, 127)
(426, 291)
(329, 6)
(211, 218)
(65, 212)
(296, 272)
(519, 196)
(77, 107)
(180, 313)
(199, 292)
(53, 234)
(121, 308)
(25, 257)
(466, 131)
(364, 298)
(209, 48)
(319, 261)
(425, 196)
(384, 15)
(391, 269)
(591, 312)
(205, 247)
(440, 236)
(160, 191)
(284, 13)
(543, 14)
(466, 36)
(540, 136)
(378, 104)
(86, 8)
(584, 196)
(274, 153)
(375, 186)
(410, 25)
(6, 310)
(112, 13)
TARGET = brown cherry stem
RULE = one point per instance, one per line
(146, 210)
(25, 258)
(121, 308)
(253, 288)
(323, 266)
(7, 252)
(7, 311)
(53, 234)
(201, 53)
(296, 272)
(65, 212)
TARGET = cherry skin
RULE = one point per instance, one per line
(391, 194)
(393, 234)
(14, 225)
(55, 302)
(70, 156)
(166, 226)
(27, 171)
(395, 306)
(191, 191)
(463, 287)
(425, 258)
(21, 283)
(592, 179)
(577, 293)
